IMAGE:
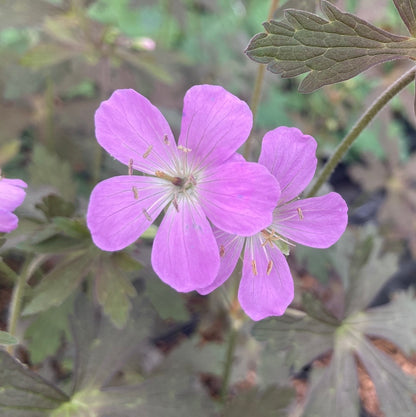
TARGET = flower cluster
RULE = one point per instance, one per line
(216, 203)
(12, 194)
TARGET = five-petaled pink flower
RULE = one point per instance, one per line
(199, 178)
(12, 194)
(266, 287)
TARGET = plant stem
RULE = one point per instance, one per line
(255, 99)
(16, 304)
(228, 364)
(362, 123)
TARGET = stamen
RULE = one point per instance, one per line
(269, 267)
(147, 153)
(254, 267)
(183, 149)
(135, 192)
(300, 214)
(174, 180)
(147, 215)
(175, 204)
(166, 140)
(222, 251)
(131, 166)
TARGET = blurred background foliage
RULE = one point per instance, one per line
(101, 327)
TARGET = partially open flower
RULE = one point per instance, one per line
(196, 180)
(266, 287)
(12, 194)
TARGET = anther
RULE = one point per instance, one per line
(254, 267)
(222, 251)
(269, 267)
(135, 192)
(300, 214)
(147, 215)
(166, 140)
(184, 149)
(148, 150)
(131, 166)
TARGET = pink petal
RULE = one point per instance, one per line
(122, 208)
(239, 197)
(215, 124)
(185, 253)
(266, 287)
(230, 247)
(318, 222)
(8, 221)
(130, 128)
(12, 193)
(290, 157)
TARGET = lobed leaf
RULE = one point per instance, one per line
(330, 50)
(114, 291)
(334, 392)
(60, 282)
(23, 393)
(394, 322)
(271, 402)
(407, 11)
(394, 388)
(303, 339)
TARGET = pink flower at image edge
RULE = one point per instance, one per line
(198, 180)
(266, 287)
(12, 194)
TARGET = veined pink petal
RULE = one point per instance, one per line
(290, 157)
(318, 222)
(8, 221)
(229, 247)
(135, 132)
(12, 193)
(185, 252)
(266, 287)
(239, 197)
(215, 124)
(122, 208)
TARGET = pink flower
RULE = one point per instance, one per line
(12, 194)
(196, 180)
(266, 287)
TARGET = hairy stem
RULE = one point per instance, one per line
(16, 304)
(361, 124)
(258, 84)
(228, 363)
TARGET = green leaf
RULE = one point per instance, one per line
(167, 302)
(23, 393)
(101, 348)
(407, 11)
(334, 392)
(45, 332)
(318, 261)
(271, 402)
(303, 339)
(53, 205)
(370, 269)
(46, 55)
(394, 322)
(330, 50)
(59, 283)
(113, 290)
(394, 388)
(7, 339)
(47, 168)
